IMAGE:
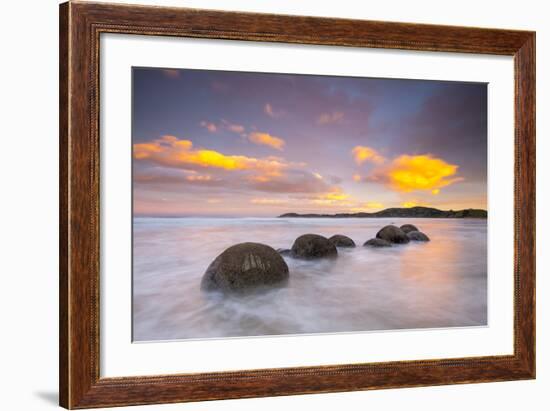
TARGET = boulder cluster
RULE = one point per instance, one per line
(391, 234)
(249, 266)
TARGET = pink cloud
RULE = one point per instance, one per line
(211, 127)
(330, 118)
(235, 128)
(267, 140)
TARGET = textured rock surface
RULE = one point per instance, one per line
(245, 266)
(377, 242)
(417, 236)
(393, 234)
(311, 246)
(341, 241)
(407, 228)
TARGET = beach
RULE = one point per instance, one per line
(441, 283)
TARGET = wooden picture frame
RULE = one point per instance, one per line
(80, 27)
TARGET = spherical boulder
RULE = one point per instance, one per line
(377, 242)
(393, 234)
(310, 246)
(417, 236)
(407, 228)
(341, 241)
(245, 266)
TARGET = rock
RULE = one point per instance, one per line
(245, 266)
(377, 242)
(417, 236)
(341, 241)
(407, 228)
(284, 251)
(311, 246)
(393, 234)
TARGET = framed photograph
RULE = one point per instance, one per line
(259, 205)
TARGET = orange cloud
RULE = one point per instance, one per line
(335, 196)
(362, 154)
(266, 177)
(413, 203)
(417, 173)
(171, 73)
(374, 205)
(179, 162)
(267, 140)
(330, 118)
(173, 152)
(268, 201)
(209, 126)
(367, 207)
(144, 150)
(194, 177)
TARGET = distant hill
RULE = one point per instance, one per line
(411, 212)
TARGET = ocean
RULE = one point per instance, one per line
(442, 283)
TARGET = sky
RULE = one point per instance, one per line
(243, 144)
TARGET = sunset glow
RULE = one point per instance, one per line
(418, 173)
(218, 143)
(362, 154)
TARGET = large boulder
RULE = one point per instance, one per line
(393, 234)
(417, 236)
(310, 246)
(245, 266)
(341, 241)
(407, 228)
(377, 242)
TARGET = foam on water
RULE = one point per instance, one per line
(442, 283)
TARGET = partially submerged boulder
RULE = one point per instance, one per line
(393, 234)
(377, 242)
(407, 228)
(310, 246)
(245, 266)
(341, 241)
(417, 236)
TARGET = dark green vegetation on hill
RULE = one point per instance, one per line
(412, 212)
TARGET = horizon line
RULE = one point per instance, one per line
(145, 215)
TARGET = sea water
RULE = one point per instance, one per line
(442, 283)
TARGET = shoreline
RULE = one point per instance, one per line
(412, 212)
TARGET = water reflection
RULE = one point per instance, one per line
(437, 284)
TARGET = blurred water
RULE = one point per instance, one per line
(442, 283)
